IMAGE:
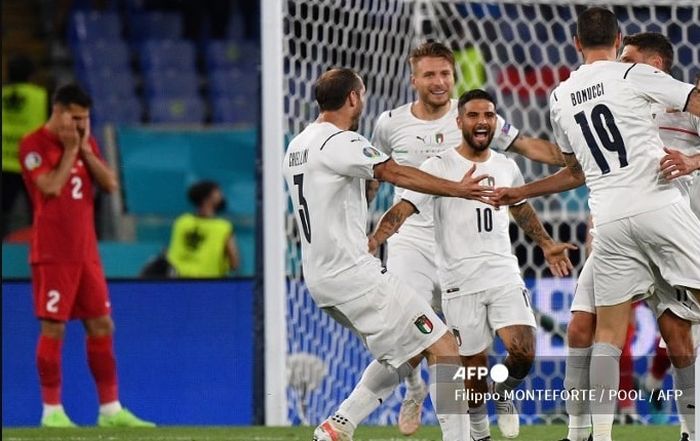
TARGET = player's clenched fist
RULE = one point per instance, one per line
(506, 196)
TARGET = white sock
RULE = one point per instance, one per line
(414, 381)
(452, 414)
(377, 383)
(109, 409)
(604, 378)
(48, 409)
(479, 420)
(684, 381)
(576, 377)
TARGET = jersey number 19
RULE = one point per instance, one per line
(608, 134)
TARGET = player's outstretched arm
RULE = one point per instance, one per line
(554, 252)
(693, 105)
(390, 223)
(413, 179)
(538, 150)
(569, 177)
(676, 164)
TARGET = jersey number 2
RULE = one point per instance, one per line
(77, 190)
(608, 134)
(304, 210)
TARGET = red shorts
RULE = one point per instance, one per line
(65, 291)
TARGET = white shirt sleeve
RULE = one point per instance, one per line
(504, 136)
(658, 86)
(351, 154)
(559, 136)
(424, 202)
(380, 136)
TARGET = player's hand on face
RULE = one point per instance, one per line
(675, 164)
(372, 245)
(84, 133)
(557, 257)
(506, 196)
(473, 188)
(68, 133)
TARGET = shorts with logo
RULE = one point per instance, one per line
(626, 249)
(66, 291)
(412, 259)
(475, 317)
(394, 323)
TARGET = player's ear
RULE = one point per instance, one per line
(618, 41)
(577, 43)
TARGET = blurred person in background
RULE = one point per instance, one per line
(24, 108)
(202, 244)
(61, 164)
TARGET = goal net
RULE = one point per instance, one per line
(518, 51)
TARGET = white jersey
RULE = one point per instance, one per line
(601, 114)
(473, 243)
(325, 169)
(410, 141)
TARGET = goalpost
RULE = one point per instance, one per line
(518, 50)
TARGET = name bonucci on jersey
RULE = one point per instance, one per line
(411, 141)
(473, 251)
(602, 115)
(325, 169)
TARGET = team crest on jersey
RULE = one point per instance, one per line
(371, 152)
(424, 324)
(32, 160)
(439, 138)
(458, 337)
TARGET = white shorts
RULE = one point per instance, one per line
(394, 323)
(584, 299)
(413, 261)
(474, 318)
(679, 301)
(624, 250)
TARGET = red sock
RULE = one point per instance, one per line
(48, 362)
(103, 365)
(627, 368)
(660, 363)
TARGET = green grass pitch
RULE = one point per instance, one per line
(365, 433)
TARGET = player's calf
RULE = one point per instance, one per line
(476, 388)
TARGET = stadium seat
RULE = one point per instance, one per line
(227, 110)
(234, 82)
(117, 109)
(171, 84)
(107, 82)
(155, 25)
(167, 54)
(220, 54)
(176, 110)
(90, 26)
(102, 54)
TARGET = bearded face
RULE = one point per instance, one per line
(477, 120)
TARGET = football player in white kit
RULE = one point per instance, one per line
(483, 292)
(643, 225)
(411, 134)
(325, 168)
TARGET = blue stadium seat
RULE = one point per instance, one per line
(220, 54)
(167, 54)
(227, 110)
(234, 82)
(117, 109)
(176, 110)
(155, 25)
(171, 83)
(89, 26)
(106, 82)
(102, 53)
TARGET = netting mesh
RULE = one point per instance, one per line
(516, 51)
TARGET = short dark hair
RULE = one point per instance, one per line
(200, 191)
(431, 49)
(19, 69)
(597, 27)
(333, 87)
(652, 42)
(474, 94)
(72, 94)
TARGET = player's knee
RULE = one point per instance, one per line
(445, 347)
(580, 332)
(99, 327)
(53, 329)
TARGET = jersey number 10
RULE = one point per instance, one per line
(609, 136)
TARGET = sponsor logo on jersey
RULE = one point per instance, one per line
(458, 337)
(371, 152)
(439, 138)
(32, 160)
(424, 324)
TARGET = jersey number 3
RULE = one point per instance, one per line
(608, 133)
(304, 210)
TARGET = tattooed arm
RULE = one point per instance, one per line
(555, 253)
(390, 223)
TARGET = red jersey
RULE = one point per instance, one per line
(64, 226)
